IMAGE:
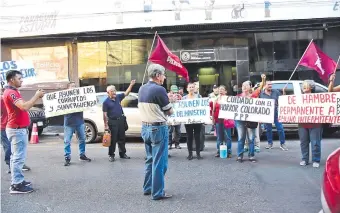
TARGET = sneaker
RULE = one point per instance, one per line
(270, 146)
(303, 163)
(26, 168)
(252, 159)
(84, 158)
(316, 165)
(284, 147)
(217, 154)
(26, 183)
(67, 162)
(229, 155)
(20, 189)
(112, 158)
(257, 149)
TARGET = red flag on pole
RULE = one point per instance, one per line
(163, 56)
(315, 59)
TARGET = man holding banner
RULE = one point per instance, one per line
(16, 129)
(74, 122)
(274, 94)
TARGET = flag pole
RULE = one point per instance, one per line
(147, 63)
(300, 60)
(336, 65)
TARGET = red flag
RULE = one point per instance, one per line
(163, 56)
(315, 59)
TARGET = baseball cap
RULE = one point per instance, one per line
(174, 88)
(215, 86)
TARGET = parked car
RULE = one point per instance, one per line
(94, 124)
(330, 192)
(295, 88)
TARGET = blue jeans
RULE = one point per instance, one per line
(279, 128)
(68, 133)
(311, 136)
(19, 140)
(7, 146)
(242, 133)
(156, 140)
(223, 135)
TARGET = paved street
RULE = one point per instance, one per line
(276, 183)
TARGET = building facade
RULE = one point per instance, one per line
(219, 42)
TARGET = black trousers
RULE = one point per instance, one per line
(117, 130)
(193, 131)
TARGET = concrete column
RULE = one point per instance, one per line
(72, 50)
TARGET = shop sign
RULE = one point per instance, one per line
(50, 63)
(91, 16)
(194, 56)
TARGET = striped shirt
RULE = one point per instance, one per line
(153, 102)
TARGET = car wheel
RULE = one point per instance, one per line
(90, 132)
(40, 131)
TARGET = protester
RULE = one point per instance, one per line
(181, 91)
(154, 106)
(193, 130)
(215, 92)
(6, 145)
(115, 120)
(74, 123)
(246, 129)
(222, 133)
(257, 135)
(174, 96)
(16, 129)
(310, 133)
(274, 94)
(331, 87)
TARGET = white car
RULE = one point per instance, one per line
(94, 123)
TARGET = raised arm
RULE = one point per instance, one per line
(26, 105)
(126, 93)
(331, 87)
(257, 92)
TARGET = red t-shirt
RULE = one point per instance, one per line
(3, 114)
(17, 118)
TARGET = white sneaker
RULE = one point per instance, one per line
(303, 163)
(316, 165)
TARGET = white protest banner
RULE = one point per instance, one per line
(310, 108)
(191, 111)
(25, 67)
(69, 101)
(247, 109)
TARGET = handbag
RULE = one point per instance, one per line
(251, 125)
(126, 126)
(228, 123)
(106, 141)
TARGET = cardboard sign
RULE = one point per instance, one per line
(310, 108)
(69, 101)
(247, 109)
(25, 67)
(191, 111)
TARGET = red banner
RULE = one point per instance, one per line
(163, 56)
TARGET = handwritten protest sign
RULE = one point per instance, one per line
(247, 109)
(191, 111)
(69, 101)
(310, 108)
(25, 67)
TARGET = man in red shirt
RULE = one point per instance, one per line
(16, 129)
(4, 140)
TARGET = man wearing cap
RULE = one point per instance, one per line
(155, 107)
(174, 96)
